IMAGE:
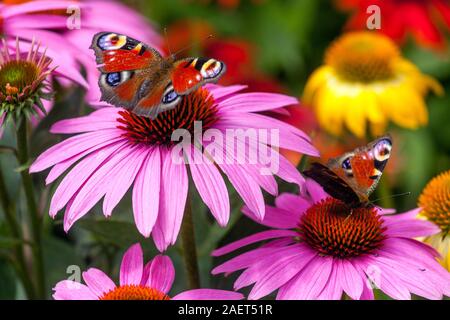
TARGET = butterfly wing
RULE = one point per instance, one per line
(191, 73)
(362, 168)
(332, 183)
(125, 64)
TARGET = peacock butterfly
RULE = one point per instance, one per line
(353, 176)
(136, 77)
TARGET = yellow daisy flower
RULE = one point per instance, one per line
(435, 204)
(364, 81)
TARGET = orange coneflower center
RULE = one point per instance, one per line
(435, 201)
(362, 57)
(199, 107)
(134, 292)
(333, 229)
(15, 75)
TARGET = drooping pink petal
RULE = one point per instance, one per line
(241, 261)
(123, 178)
(310, 282)
(210, 186)
(260, 236)
(332, 289)
(174, 185)
(71, 147)
(71, 290)
(98, 281)
(208, 294)
(161, 274)
(256, 102)
(283, 270)
(98, 120)
(349, 278)
(146, 193)
(293, 204)
(73, 181)
(132, 265)
(274, 218)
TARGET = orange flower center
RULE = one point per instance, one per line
(197, 106)
(362, 57)
(435, 201)
(134, 292)
(333, 229)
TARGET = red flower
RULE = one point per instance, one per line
(422, 19)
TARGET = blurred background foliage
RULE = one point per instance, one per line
(271, 46)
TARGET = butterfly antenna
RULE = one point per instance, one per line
(192, 44)
(392, 196)
(167, 41)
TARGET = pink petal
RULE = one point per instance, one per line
(98, 281)
(76, 177)
(71, 290)
(210, 186)
(241, 261)
(131, 269)
(219, 92)
(124, 176)
(256, 102)
(174, 186)
(208, 294)
(260, 236)
(146, 193)
(274, 218)
(310, 282)
(332, 290)
(71, 147)
(410, 228)
(315, 190)
(99, 120)
(349, 278)
(161, 274)
(36, 6)
(292, 203)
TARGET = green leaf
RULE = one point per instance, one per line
(59, 255)
(120, 233)
(8, 287)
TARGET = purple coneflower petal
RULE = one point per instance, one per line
(208, 294)
(310, 282)
(210, 186)
(332, 289)
(218, 92)
(71, 290)
(131, 268)
(123, 179)
(146, 193)
(256, 102)
(349, 278)
(274, 218)
(315, 191)
(161, 274)
(260, 236)
(174, 185)
(293, 204)
(98, 281)
(98, 120)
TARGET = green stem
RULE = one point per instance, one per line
(189, 247)
(16, 231)
(35, 219)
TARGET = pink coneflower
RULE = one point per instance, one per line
(114, 149)
(151, 281)
(56, 24)
(320, 249)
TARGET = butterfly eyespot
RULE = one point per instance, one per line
(211, 69)
(346, 165)
(111, 41)
(113, 79)
(169, 97)
(382, 150)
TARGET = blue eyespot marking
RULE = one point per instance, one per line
(346, 164)
(113, 79)
(169, 97)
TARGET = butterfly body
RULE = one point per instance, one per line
(136, 77)
(353, 176)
